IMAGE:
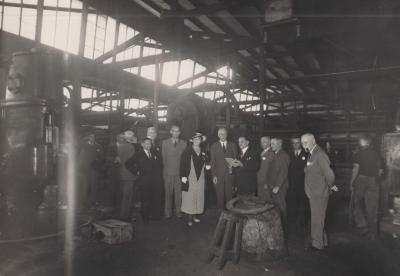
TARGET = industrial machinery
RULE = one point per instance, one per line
(193, 114)
(29, 139)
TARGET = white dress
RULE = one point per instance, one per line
(193, 199)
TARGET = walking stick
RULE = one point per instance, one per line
(351, 206)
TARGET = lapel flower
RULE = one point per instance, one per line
(264, 158)
(309, 163)
(303, 158)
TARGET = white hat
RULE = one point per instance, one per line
(198, 135)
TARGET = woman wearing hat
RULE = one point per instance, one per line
(193, 163)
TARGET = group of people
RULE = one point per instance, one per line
(171, 177)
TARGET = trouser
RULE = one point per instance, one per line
(318, 207)
(145, 199)
(87, 191)
(224, 190)
(279, 201)
(126, 198)
(173, 193)
(366, 203)
(298, 206)
(157, 199)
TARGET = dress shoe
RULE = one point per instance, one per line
(196, 220)
(314, 249)
(190, 223)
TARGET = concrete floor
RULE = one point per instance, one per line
(169, 247)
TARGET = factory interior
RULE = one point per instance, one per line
(108, 109)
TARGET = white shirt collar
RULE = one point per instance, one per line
(244, 150)
(223, 142)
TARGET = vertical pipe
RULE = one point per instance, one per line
(228, 90)
(156, 93)
(81, 49)
(39, 20)
(261, 82)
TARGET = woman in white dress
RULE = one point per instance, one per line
(193, 163)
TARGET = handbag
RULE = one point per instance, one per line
(185, 186)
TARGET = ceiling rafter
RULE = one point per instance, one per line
(123, 46)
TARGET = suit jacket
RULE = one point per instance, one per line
(156, 152)
(296, 170)
(266, 159)
(319, 176)
(246, 176)
(125, 151)
(219, 166)
(171, 156)
(143, 166)
(278, 173)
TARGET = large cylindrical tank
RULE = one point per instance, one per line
(192, 114)
(34, 89)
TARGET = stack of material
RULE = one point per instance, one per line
(114, 231)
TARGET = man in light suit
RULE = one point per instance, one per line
(266, 156)
(246, 172)
(222, 174)
(278, 176)
(171, 151)
(319, 182)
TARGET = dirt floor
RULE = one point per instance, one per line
(170, 247)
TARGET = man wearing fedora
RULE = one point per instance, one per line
(125, 150)
(171, 151)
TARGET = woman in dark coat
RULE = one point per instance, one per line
(193, 163)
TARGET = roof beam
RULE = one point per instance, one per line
(123, 46)
(204, 10)
(148, 60)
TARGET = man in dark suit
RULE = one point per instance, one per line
(246, 169)
(158, 188)
(319, 182)
(266, 156)
(278, 176)
(221, 172)
(143, 164)
(297, 201)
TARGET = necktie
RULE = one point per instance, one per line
(223, 147)
(149, 154)
(174, 143)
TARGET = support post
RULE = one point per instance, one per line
(261, 82)
(82, 37)
(39, 20)
(156, 93)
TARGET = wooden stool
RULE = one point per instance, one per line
(229, 227)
